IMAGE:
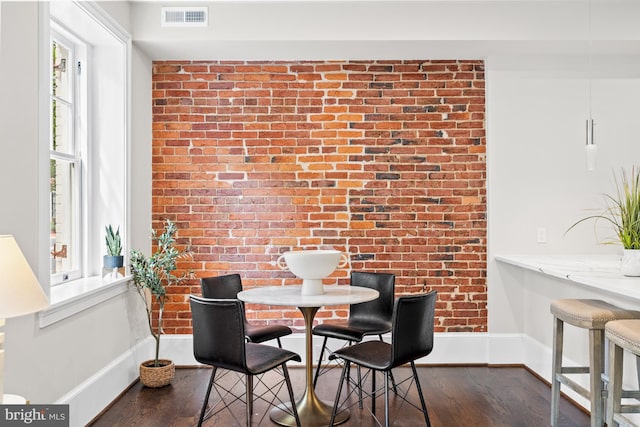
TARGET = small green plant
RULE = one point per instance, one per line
(623, 209)
(153, 275)
(113, 241)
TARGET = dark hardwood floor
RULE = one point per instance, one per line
(455, 396)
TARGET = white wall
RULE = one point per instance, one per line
(45, 364)
(140, 155)
(536, 107)
(537, 177)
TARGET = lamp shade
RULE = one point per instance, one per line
(20, 292)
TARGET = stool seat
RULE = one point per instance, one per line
(622, 335)
(589, 313)
(593, 315)
(625, 333)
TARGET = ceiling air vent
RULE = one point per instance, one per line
(184, 17)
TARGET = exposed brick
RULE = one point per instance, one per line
(384, 160)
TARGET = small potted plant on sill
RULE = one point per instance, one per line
(623, 213)
(151, 277)
(114, 258)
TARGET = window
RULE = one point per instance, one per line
(84, 127)
(67, 158)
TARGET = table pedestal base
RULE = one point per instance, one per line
(312, 411)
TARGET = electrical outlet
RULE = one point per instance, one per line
(541, 235)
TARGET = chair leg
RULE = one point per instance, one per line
(337, 401)
(393, 381)
(291, 397)
(349, 370)
(249, 393)
(615, 382)
(279, 343)
(206, 396)
(596, 367)
(422, 403)
(556, 367)
(359, 388)
(373, 392)
(386, 398)
(315, 377)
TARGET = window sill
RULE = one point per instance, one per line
(73, 297)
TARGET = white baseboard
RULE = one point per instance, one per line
(89, 398)
(538, 356)
(93, 395)
(455, 348)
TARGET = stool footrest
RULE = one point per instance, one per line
(631, 394)
(575, 370)
(622, 420)
(574, 385)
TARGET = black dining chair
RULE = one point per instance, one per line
(368, 318)
(227, 287)
(219, 341)
(411, 338)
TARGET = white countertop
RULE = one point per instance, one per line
(600, 272)
(291, 296)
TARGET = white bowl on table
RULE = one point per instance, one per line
(312, 266)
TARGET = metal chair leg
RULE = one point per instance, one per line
(373, 392)
(315, 377)
(291, 397)
(359, 388)
(393, 381)
(422, 402)
(337, 401)
(279, 343)
(349, 370)
(249, 393)
(206, 396)
(386, 398)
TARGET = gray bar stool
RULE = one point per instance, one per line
(586, 314)
(622, 335)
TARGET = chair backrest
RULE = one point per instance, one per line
(380, 308)
(218, 333)
(221, 287)
(412, 330)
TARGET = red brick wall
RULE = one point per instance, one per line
(384, 160)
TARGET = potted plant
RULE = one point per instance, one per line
(151, 277)
(623, 213)
(114, 258)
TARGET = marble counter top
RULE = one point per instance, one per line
(601, 272)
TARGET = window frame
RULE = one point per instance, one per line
(77, 157)
(106, 189)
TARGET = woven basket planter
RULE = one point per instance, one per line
(159, 376)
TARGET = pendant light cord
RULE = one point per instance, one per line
(590, 56)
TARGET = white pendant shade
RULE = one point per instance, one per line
(20, 292)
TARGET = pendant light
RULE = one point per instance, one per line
(590, 147)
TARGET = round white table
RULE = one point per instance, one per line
(311, 410)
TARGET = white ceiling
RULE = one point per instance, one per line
(379, 29)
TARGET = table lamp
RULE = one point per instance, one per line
(20, 292)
